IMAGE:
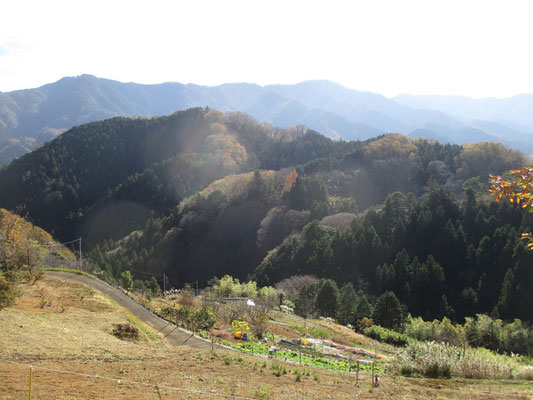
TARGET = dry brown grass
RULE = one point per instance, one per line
(75, 335)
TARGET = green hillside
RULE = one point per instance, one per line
(410, 216)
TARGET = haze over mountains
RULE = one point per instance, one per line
(33, 116)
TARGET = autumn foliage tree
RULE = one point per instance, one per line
(517, 188)
(23, 247)
(13, 256)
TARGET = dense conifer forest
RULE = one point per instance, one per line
(200, 194)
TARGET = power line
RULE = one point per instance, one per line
(144, 272)
(48, 244)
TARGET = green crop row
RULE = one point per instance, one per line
(294, 356)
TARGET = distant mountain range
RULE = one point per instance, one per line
(31, 117)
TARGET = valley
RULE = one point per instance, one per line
(266, 200)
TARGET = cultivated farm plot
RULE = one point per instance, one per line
(64, 330)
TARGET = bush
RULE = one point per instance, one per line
(153, 286)
(232, 312)
(258, 317)
(515, 338)
(363, 323)
(269, 296)
(440, 331)
(8, 292)
(406, 370)
(478, 331)
(241, 326)
(526, 374)
(444, 360)
(230, 287)
(203, 319)
(437, 371)
(386, 335)
(186, 298)
(125, 332)
(190, 318)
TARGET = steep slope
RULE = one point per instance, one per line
(117, 172)
(230, 226)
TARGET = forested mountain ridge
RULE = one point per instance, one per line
(33, 116)
(148, 164)
(441, 256)
(210, 193)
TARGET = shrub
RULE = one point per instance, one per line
(515, 338)
(437, 371)
(363, 323)
(190, 318)
(138, 285)
(232, 312)
(258, 317)
(230, 287)
(125, 332)
(269, 296)
(8, 292)
(240, 326)
(202, 319)
(406, 370)
(153, 286)
(186, 298)
(526, 373)
(440, 331)
(386, 335)
(444, 360)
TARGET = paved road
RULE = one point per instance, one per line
(176, 337)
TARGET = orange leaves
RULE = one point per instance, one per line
(518, 188)
(290, 181)
(529, 238)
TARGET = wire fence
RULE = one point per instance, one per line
(34, 378)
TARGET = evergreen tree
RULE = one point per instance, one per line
(389, 313)
(153, 285)
(348, 301)
(363, 308)
(305, 304)
(126, 280)
(327, 298)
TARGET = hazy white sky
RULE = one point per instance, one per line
(467, 47)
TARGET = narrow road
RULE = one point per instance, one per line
(176, 336)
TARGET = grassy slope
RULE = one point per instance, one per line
(65, 326)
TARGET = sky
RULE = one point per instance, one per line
(469, 47)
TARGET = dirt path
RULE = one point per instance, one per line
(176, 336)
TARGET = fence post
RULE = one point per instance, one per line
(373, 363)
(357, 374)
(31, 381)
